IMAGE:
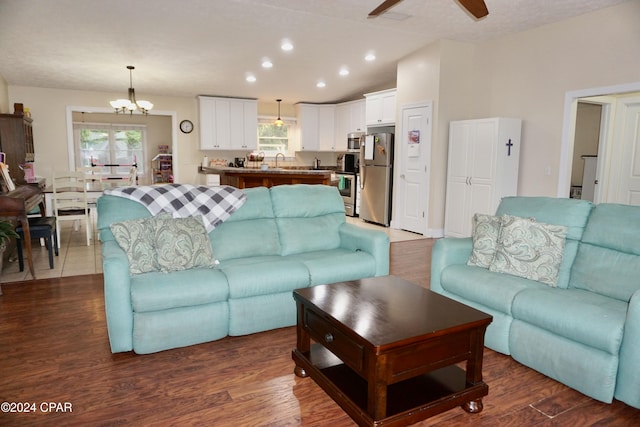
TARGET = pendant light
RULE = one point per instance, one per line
(279, 122)
(131, 104)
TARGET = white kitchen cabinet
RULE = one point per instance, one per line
(316, 124)
(381, 108)
(350, 117)
(228, 123)
(484, 157)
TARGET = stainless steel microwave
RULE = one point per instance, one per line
(353, 141)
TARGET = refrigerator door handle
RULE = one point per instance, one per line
(362, 165)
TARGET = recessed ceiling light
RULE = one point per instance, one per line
(344, 71)
(370, 57)
(266, 63)
(286, 45)
(321, 84)
(250, 78)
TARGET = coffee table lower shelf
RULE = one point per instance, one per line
(408, 401)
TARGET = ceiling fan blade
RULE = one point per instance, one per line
(383, 7)
(475, 7)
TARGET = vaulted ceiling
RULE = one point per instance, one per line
(192, 47)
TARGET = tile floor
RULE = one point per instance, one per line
(76, 258)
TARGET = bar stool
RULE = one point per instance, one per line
(40, 228)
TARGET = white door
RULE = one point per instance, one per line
(459, 157)
(414, 154)
(629, 184)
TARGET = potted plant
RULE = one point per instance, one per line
(6, 232)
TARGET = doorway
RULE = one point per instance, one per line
(608, 157)
(584, 184)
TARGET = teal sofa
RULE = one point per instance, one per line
(281, 239)
(585, 332)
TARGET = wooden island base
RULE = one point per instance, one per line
(249, 178)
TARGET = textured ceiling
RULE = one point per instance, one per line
(192, 47)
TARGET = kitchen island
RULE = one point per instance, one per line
(255, 177)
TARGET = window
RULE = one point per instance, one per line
(119, 146)
(274, 139)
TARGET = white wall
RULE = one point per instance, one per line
(440, 72)
(4, 97)
(48, 110)
(524, 75)
(530, 72)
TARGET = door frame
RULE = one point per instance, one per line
(569, 126)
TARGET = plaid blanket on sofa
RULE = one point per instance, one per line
(215, 204)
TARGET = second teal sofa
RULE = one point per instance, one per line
(585, 330)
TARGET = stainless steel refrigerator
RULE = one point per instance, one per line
(376, 178)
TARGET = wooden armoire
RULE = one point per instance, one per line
(16, 142)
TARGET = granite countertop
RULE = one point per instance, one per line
(280, 171)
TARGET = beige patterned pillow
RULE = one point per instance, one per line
(182, 243)
(136, 237)
(486, 229)
(529, 249)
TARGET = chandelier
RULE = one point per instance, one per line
(278, 121)
(130, 105)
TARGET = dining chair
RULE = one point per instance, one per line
(70, 201)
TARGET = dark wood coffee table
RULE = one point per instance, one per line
(385, 349)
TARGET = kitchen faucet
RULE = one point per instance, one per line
(283, 158)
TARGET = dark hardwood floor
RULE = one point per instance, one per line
(54, 348)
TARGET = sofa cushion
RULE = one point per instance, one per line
(606, 272)
(253, 276)
(614, 226)
(582, 316)
(251, 230)
(182, 243)
(159, 291)
(137, 238)
(337, 265)
(608, 259)
(529, 249)
(571, 213)
(486, 230)
(304, 225)
(493, 290)
(112, 209)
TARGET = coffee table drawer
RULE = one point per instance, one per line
(349, 351)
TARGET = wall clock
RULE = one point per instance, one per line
(186, 126)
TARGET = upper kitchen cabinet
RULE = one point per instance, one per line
(350, 117)
(316, 123)
(228, 123)
(381, 108)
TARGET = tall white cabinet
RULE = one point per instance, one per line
(484, 156)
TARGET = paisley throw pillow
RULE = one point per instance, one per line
(486, 229)
(529, 249)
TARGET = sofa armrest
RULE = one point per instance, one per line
(628, 381)
(374, 242)
(117, 297)
(448, 251)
